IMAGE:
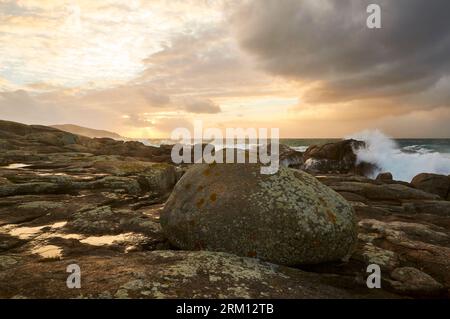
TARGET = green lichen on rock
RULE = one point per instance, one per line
(158, 177)
(6, 262)
(40, 205)
(94, 221)
(287, 218)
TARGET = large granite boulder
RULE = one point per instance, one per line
(287, 218)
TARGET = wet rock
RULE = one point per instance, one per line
(433, 183)
(337, 157)
(290, 157)
(287, 218)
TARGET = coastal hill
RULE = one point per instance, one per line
(85, 131)
(141, 227)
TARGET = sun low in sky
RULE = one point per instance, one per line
(310, 67)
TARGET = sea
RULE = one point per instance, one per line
(404, 158)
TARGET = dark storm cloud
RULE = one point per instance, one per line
(328, 41)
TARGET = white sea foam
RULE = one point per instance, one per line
(299, 148)
(403, 164)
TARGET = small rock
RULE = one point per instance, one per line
(433, 183)
(412, 281)
(384, 177)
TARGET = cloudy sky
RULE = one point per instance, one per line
(310, 67)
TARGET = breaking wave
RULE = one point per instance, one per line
(404, 163)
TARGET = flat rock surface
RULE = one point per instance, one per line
(116, 238)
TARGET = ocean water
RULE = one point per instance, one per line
(407, 145)
(404, 158)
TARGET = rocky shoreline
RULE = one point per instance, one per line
(68, 199)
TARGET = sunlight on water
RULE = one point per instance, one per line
(110, 239)
(25, 232)
(29, 232)
(404, 163)
(15, 166)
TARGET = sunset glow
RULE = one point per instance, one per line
(142, 68)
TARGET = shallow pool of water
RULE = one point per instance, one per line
(15, 166)
(109, 239)
(48, 251)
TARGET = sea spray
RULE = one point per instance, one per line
(385, 153)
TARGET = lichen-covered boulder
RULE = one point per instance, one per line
(287, 218)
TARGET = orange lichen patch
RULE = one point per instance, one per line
(213, 197)
(322, 201)
(187, 186)
(251, 254)
(316, 243)
(207, 172)
(200, 202)
(200, 188)
(331, 216)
